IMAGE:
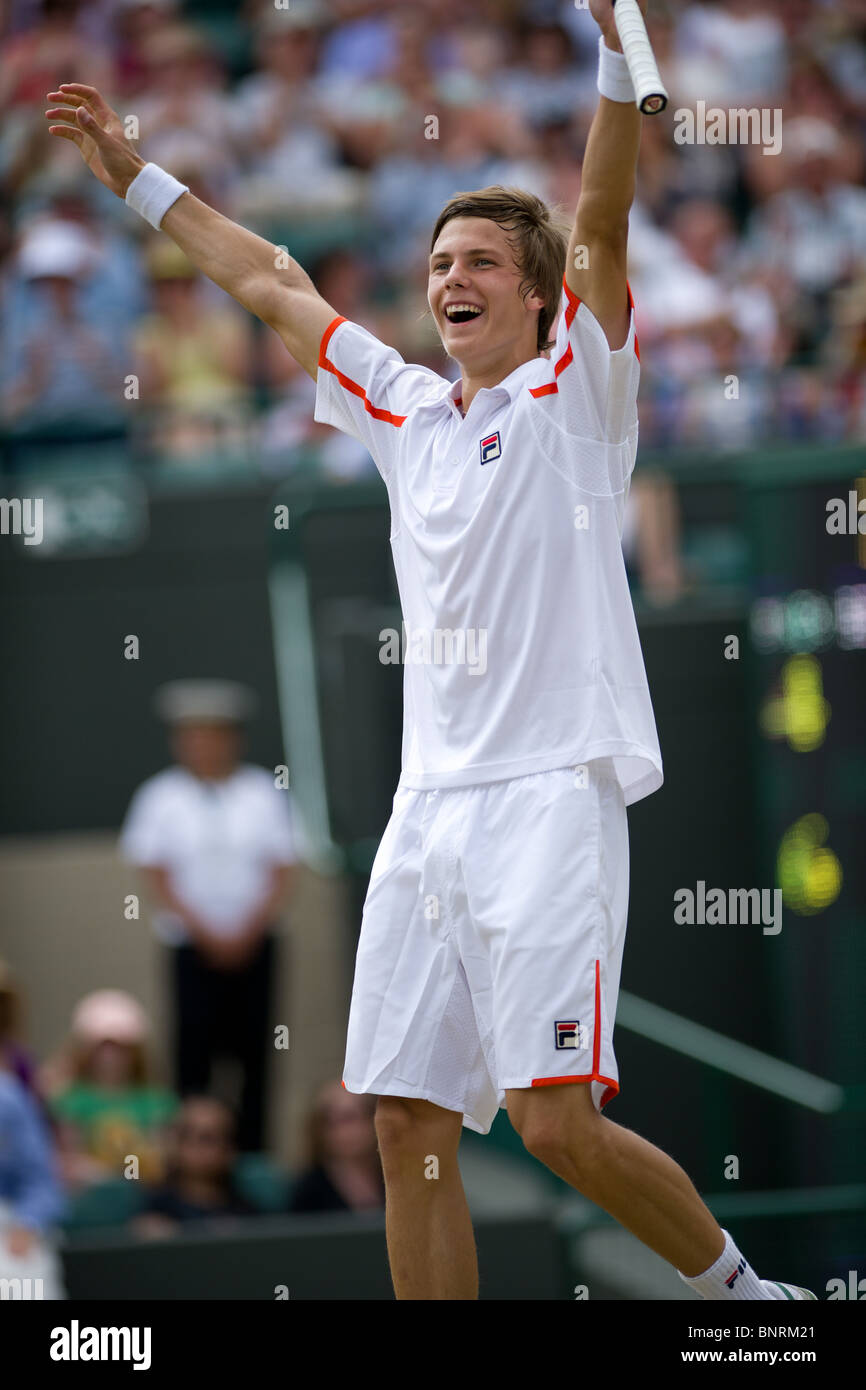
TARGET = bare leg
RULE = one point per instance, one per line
(431, 1245)
(628, 1177)
(658, 538)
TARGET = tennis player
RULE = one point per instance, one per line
(489, 958)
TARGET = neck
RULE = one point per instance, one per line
(475, 379)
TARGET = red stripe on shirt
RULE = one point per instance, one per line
(357, 390)
(572, 305)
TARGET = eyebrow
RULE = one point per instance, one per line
(476, 251)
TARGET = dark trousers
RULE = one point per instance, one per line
(225, 1014)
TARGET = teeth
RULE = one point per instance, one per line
(462, 308)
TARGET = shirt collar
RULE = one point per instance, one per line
(510, 386)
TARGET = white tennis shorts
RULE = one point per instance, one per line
(491, 942)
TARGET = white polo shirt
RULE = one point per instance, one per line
(218, 840)
(519, 639)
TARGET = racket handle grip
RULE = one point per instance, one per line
(650, 94)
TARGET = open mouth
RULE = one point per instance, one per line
(463, 313)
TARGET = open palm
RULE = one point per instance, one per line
(97, 130)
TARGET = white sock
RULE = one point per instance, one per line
(731, 1277)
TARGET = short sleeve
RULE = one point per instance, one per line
(143, 837)
(282, 833)
(364, 388)
(596, 388)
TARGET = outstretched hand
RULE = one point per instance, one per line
(90, 123)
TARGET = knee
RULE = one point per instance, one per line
(574, 1152)
(407, 1128)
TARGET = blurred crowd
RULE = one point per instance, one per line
(113, 1131)
(339, 127)
(92, 1139)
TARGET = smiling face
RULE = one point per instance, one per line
(472, 264)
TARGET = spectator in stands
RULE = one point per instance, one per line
(60, 369)
(134, 22)
(184, 112)
(219, 845)
(479, 51)
(31, 1199)
(194, 359)
(102, 1096)
(815, 228)
(289, 430)
(32, 58)
(111, 291)
(199, 1185)
(344, 1171)
(13, 1057)
(288, 127)
(363, 40)
(544, 84)
(740, 49)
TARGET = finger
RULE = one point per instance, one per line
(68, 98)
(67, 133)
(87, 122)
(88, 95)
(73, 104)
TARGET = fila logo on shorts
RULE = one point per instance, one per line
(569, 1034)
(491, 447)
(740, 1269)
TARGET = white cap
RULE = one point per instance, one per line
(205, 702)
(808, 137)
(56, 248)
(110, 1015)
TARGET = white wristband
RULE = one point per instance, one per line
(152, 193)
(614, 78)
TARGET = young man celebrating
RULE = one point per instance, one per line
(489, 958)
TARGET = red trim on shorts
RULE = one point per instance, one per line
(631, 306)
(595, 1074)
(346, 381)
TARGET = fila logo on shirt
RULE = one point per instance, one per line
(569, 1033)
(491, 447)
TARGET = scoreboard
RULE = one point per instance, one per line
(807, 668)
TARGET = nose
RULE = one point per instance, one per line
(456, 276)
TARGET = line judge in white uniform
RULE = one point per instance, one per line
(488, 965)
(219, 844)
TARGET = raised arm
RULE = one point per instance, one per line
(261, 277)
(607, 185)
